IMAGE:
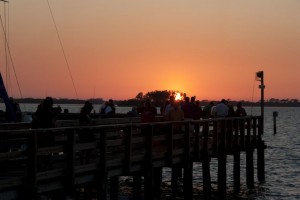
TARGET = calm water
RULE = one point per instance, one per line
(282, 157)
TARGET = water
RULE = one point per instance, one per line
(73, 108)
(282, 157)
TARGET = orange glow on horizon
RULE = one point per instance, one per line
(178, 96)
(209, 50)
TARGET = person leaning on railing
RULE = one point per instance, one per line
(240, 111)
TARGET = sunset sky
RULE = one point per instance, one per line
(210, 49)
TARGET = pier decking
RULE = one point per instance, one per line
(43, 161)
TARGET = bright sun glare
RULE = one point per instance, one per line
(178, 96)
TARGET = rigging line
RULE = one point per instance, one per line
(252, 95)
(10, 57)
(62, 47)
(6, 33)
(6, 21)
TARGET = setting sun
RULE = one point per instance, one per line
(178, 96)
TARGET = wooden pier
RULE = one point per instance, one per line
(60, 161)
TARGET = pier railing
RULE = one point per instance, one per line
(62, 159)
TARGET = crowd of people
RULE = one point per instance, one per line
(191, 109)
(172, 110)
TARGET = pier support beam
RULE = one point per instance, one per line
(261, 160)
(157, 181)
(236, 170)
(249, 168)
(148, 169)
(175, 174)
(222, 158)
(137, 184)
(188, 165)
(102, 171)
(205, 163)
(114, 188)
(31, 192)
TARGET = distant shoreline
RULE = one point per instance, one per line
(135, 102)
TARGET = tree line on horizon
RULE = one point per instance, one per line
(159, 97)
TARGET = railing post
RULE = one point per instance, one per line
(242, 133)
(197, 142)
(128, 148)
(215, 138)
(170, 130)
(229, 135)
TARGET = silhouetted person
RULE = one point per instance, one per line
(163, 107)
(207, 110)
(132, 112)
(188, 108)
(148, 112)
(240, 111)
(108, 108)
(86, 136)
(175, 114)
(222, 108)
(231, 112)
(112, 105)
(198, 110)
(169, 106)
(84, 116)
(44, 117)
(16, 111)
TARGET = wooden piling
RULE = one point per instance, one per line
(205, 162)
(31, 192)
(236, 171)
(222, 174)
(249, 156)
(261, 161)
(148, 169)
(102, 172)
(114, 188)
(157, 182)
(249, 168)
(137, 187)
(260, 152)
(236, 159)
(275, 114)
(188, 165)
(176, 172)
(70, 178)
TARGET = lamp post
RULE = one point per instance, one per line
(260, 77)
